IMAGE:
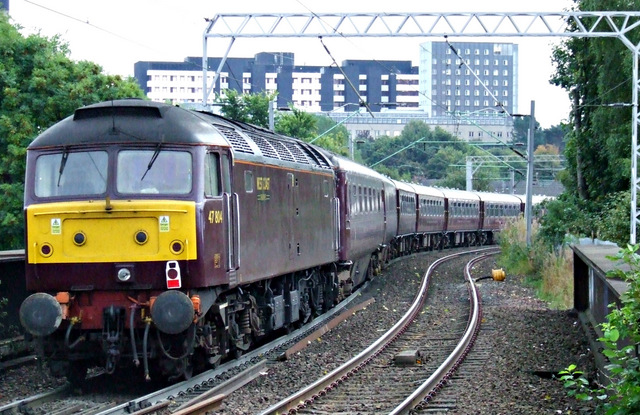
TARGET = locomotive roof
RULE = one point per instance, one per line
(131, 120)
(143, 122)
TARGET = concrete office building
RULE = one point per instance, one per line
(442, 91)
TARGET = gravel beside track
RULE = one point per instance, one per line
(527, 339)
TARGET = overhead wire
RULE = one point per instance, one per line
(68, 16)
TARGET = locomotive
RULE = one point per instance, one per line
(165, 240)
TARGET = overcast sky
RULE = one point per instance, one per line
(117, 33)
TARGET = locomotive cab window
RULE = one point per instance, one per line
(154, 172)
(71, 174)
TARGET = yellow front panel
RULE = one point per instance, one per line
(110, 238)
(110, 235)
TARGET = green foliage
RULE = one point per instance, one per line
(613, 221)
(621, 334)
(421, 153)
(249, 108)
(514, 254)
(596, 73)
(39, 85)
(566, 216)
(296, 123)
(578, 386)
(330, 135)
(569, 216)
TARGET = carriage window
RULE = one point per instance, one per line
(325, 188)
(248, 181)
(211, 172)
(160, 172)
(71, 174)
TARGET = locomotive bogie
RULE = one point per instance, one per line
(277, 207)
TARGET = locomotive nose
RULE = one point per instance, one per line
(40, 314)
(172, 312)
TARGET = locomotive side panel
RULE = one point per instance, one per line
(277, 208)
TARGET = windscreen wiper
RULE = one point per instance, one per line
(63, 162)
(153, 160)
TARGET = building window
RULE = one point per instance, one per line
(470, 134)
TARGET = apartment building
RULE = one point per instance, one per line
(467, 89)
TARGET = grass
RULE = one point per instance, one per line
(550, 272)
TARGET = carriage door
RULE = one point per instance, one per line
(231, 212)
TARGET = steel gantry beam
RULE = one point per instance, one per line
(615, 24)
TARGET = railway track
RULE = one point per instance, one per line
(409, 363)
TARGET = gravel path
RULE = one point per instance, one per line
(529, 342)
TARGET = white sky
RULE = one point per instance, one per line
(117, 33)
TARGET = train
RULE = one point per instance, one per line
(162, 240)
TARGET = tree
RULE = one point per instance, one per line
(39, 86)
(249, 108)
(596, 72)
(296, 123)
(332, 136)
